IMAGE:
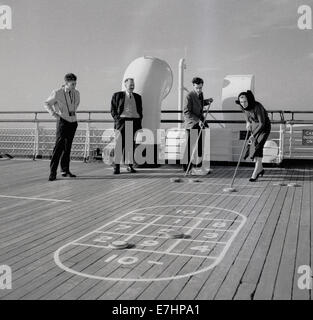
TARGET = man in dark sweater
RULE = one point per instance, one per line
(193, 118)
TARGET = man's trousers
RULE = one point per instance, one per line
(65, 133)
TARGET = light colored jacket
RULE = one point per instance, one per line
(59, 104)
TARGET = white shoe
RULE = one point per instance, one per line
(200, 171)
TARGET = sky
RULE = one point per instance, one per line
(98, 39)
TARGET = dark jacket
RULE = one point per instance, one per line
(117, 107)
(193, 109)
(258, 116)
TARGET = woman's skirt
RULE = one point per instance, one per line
(255, 150)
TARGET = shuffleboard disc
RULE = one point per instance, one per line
(120, 244)
(293, 185)
(176, 235)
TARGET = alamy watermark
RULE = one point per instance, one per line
(194, 147)
(5, 17)
(305, 18)
(5, 277)
(305, 279)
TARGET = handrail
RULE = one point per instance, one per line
(162, 111)
(90, 112)
(111, 121)
(281, 113)
(282, 118)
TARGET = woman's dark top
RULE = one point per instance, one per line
(259, 116)
(261, 128)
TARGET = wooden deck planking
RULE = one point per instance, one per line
(265, 285)
(58, 214)
(77, 290)
(93, 224)
(123, 284)
(303, 245)
(274, 227)
(234, 204)
(61, 222)
(228, 203)
(255, 213)
(148, 195)
(286, 271)
(96, 291)
(267, 278)
(116, 287)
(182, 285)
(194, 285)
(252, 273)
(303, 236)
(138, 287)
(273, 242)
(73, 205)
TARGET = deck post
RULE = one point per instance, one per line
(290, 140)
(36, 139)
(181, 88)
(282, 128)
(87, 143)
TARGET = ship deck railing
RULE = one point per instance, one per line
(37, 140)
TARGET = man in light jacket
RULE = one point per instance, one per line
(62, 105)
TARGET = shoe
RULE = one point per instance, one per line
(131, 169)
(261, 173)
(52, 177)
(200, 172)
(185, 167)
(68, 174)
(116, 171)
(196, 172)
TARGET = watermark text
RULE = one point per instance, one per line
(5, 277)
(5, 17)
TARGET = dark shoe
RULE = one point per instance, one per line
(52, 177)
(185, 167)
(131, 169)
(68, 174)
(261, 173)
(116, 171)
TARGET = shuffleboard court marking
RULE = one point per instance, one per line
(155, 262)
(143, 228)
(111, 258)
(146, 250)
(227, 184)
(174, 245)
(33, 198)
(217, 194)
(166, 225)
(173, 216)
(128, 256)
(163, 237)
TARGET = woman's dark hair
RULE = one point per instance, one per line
(70, 77)
(250, 97)
(197, 80)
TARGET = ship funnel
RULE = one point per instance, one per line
(153, 81)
